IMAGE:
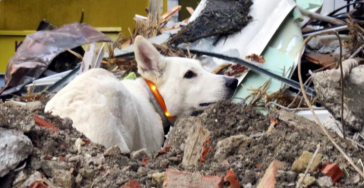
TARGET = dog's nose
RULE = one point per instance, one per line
(231, 83)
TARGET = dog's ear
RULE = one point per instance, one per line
(150, 62)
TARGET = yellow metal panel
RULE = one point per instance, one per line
(26, 14)
(19, 18)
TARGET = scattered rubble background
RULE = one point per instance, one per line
(67, 159)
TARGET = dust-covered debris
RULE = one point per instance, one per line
(61, 162)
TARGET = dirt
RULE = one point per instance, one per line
(57, 155)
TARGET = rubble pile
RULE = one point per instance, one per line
(235, 149)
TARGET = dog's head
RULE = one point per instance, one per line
(183, 83)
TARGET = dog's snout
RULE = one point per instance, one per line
(231, 83)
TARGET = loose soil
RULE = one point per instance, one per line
(91, 165)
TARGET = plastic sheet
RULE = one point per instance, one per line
(39, 49)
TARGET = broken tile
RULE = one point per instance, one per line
(269, 178)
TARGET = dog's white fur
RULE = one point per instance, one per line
(113, 112)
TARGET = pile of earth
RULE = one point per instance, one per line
(68, 159)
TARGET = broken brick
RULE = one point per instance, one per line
(164, 151)
(43, 123)
(205, 150)
(132, 184)
(145, 161)
(175, 178)
(269, 178)
(333, 171)
(39, 184)
(232, 179)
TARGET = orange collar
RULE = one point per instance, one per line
(159, 98)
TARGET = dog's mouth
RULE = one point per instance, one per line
(206, 104)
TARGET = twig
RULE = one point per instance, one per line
(320, 17)
(356, 52)
(313, 112)
(290, 109)
(75, 53)
(309, 166)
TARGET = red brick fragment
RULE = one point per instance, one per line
(43, 123)
(232, 179)
(87, 141)
(333, 171)
(132, 184)
(164, 151)
(257, 166)
(269, 178)
(47, 157)
(206, 148)
(62, 159)
(175, 178)
(39, 184)
(145, 161)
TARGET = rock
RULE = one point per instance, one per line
(174, 178)
(49, 166)
(78, 143)
(14, 148)
(324, 181)
(291, 176)
(329, 93)
(301, 163)
(158, 178)
(142, 171)
(141, 154)
(113, 151)
(32, 106)
(35, 176)
(309, 180)
(63, 178)
(228, 145)
(78, 180)
(20, 178)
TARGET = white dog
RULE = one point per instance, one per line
(113, 112)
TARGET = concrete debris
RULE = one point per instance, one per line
(302, 162)
(324, 181)
(14, 148)
(228, 145)
(194, 145)
(329, 92)
(158, 178)
(141, 154)
(63, 178)
(178, 179)
(308, 181)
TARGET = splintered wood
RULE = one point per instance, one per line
(194, 144)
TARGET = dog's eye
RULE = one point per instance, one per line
(189, 74)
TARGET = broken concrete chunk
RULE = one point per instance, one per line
(141, 154)
(194, 145)
(324, 181)
(63, 178)
(301, 163)
(329, 92)
(48, 167)
(158, 178)
(78, 143)
(14, 148)
(33, 106)
(35, 176)
(113, 151)
(309, 180)
(178, 179)
(20, 178)
(228, 145)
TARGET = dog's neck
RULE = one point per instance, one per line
(157, 101)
